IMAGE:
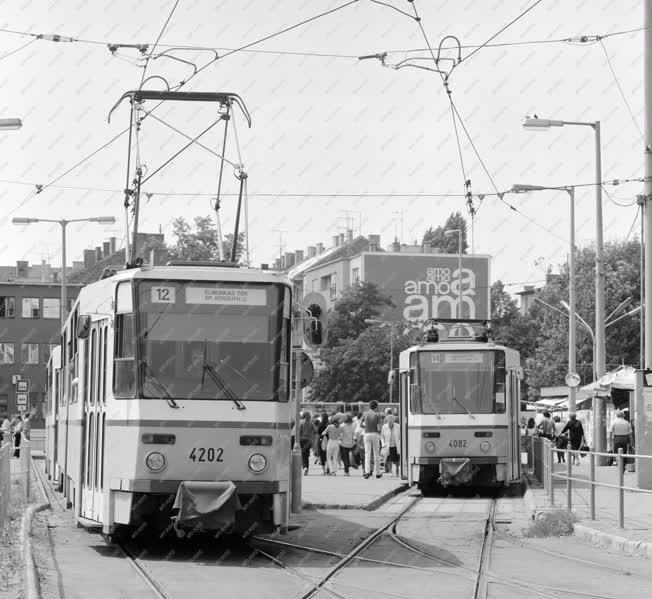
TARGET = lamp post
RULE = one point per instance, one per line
(105, 220)
(572, 332)
(384, 323)
(537, 124)
(448, 233)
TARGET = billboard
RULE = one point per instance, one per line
(428, 285)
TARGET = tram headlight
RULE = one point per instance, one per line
(485, 446)
(257, 463)
(155, 461)
(430, 446)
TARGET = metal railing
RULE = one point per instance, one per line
(544, 451)
(5, 482)
(22, 471)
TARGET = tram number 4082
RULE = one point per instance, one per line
(457, 443)
(202, 454)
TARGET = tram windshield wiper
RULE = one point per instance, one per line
(219, 381)
(432, 405)
(157, 385)
(461, 404)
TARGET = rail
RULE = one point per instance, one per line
(543, 453)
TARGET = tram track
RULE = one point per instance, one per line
(155, 585)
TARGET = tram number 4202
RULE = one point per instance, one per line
(202, 454)
(457, 443)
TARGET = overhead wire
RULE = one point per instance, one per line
(638, 212)
(29, 43)
(158, 39)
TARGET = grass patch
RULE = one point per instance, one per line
(554, 523)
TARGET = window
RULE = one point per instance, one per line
(315, 285)
(31, 307)
(325, 283)
(7, 307)
(124, 368)
(333, 287)
(355, 275)
(29, 353)
(6, 353)
(4, 403)
(51, 306)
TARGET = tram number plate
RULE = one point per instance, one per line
(203, 454)
(457, 443)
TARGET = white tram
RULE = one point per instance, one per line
(460, 413)
(174, 377)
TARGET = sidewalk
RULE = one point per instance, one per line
(347, 492)
(634, 539)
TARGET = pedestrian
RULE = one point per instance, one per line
(315, 439)
(27, 424)
(17, 430)
(323, 423)
(621, 435)
(5, 430)
(575, 436)
(530, 429)
(371, 420)
(333, 433)
(391, 443)
(546, 427)
(307, 430)
(388, 415)
(561, 441)
(358, 449)
(346, 442)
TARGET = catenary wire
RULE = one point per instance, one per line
(29, 43)
(613, 201)
(158, 39)
(633, 224)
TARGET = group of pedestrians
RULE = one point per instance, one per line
(368, 440)
(13, 430)
(562, 435)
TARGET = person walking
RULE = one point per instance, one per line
(575, 436)
(561, 441)
(347, 443)
(17, 429)
(371, 419)
(391, 442)
(5, 430)
(315, 439)
(621, 435)
(307, 430)
(358, 449)
(333, 433)
(546, 427)
(323, 424)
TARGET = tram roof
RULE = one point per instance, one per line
(459, 346)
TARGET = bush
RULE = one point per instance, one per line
(554, 523)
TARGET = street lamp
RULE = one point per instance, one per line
(104, 220)
(572, 333)
(537, 124)
(10, 124)
(448, 233)
(383, 323)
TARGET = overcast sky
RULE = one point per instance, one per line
(326, 125)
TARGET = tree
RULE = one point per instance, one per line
(358, 303)
(448, 245)
(199, 243)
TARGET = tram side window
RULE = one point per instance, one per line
(415, 391)
(500, 391)
(124, 371)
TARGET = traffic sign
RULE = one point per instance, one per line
(22, 408)
(22, 386)
(21, 399)
(573, 379)
(307, 371)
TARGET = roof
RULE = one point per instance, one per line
(28, 283)
(93, 273)
(621, 378)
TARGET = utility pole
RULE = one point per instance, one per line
(647, 185)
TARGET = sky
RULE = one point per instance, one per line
(335, 142)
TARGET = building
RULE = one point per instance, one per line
(421, 282)
(530, 293)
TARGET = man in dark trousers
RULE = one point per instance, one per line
(372, 424)
(621, 434)
(575, 435)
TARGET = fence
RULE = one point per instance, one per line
(544, 454)
(22, 471)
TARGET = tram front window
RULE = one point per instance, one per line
(210, 340)
(459, 382)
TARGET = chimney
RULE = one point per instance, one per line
(106, 249)
(264, 266)
(22, 269)
(298, 256)
(43, 270)
(289, 259)
(158, 257)
(341, 238)
(112, 245)
(277, 264)
(89, 258)
(312, 251)
(55, 276)
(396, 246)
(426, 247)
(320, 248)
(98, 253)
(336, 241)
(374, 243)
(349, 235)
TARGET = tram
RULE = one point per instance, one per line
(459, 398)
(168, 400)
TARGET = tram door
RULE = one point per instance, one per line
(513, 387)
(93, 421)
(403, 419)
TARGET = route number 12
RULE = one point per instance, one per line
(163, 295)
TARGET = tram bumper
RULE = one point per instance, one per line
(205, 505)
(455, 472)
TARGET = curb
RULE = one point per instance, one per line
(613, 542)
(30, 575)
(369, 507)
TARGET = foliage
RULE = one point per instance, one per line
(199, 242)
(358, 303)
(448, 245)
(553, 523)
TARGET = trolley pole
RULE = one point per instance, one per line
(296, 449)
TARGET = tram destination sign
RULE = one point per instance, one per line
(225, 296)
(428, 285)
